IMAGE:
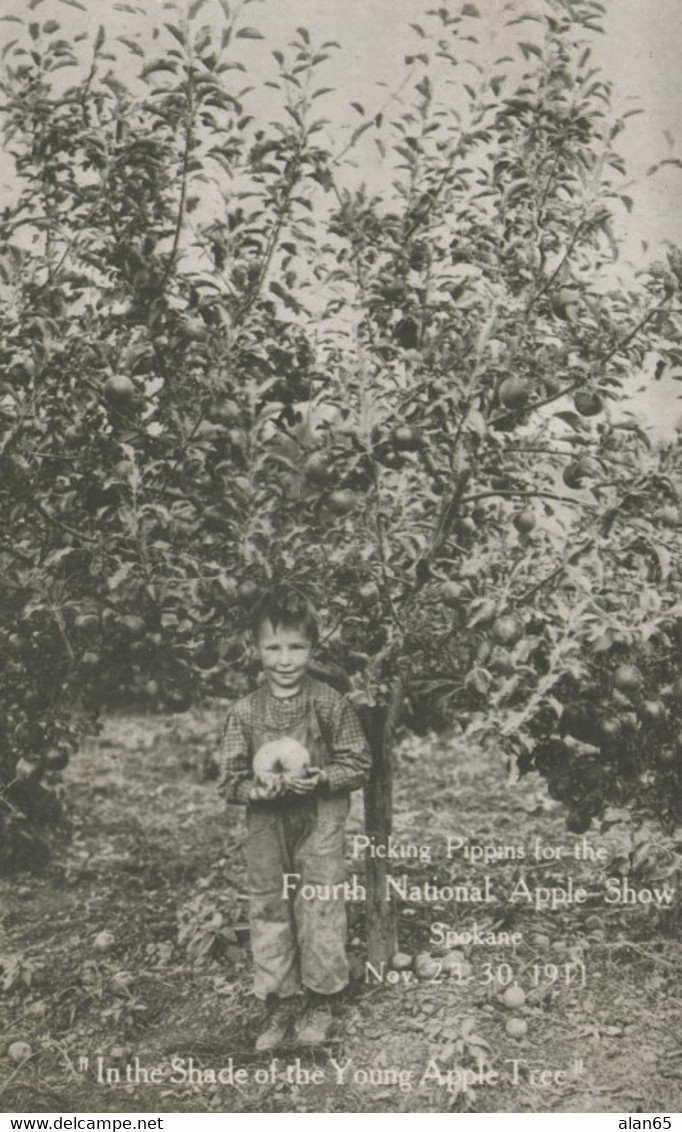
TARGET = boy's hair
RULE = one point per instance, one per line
(284, 606)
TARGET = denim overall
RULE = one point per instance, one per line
(296, 942)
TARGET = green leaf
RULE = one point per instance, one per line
(665, 564)
(71, 62)
(359, 132)
(158, 65)
(195, 7)
(523, 19)
(131, 45)
(115, 84)
(176, 33)
(528, 49)
(660, 164)
(571, 419)
(249, 33)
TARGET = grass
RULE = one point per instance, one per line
(161, 1017)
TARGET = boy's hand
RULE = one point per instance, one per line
(311, 779)
(267, 787)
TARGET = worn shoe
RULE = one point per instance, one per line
(314, 1025)
(276, 1025)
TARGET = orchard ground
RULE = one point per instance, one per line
(125, 963)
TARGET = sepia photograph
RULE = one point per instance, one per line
(340, 558)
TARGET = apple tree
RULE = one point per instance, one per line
(149, 321)
(118, 434)
(493, 536)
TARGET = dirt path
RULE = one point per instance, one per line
(124, 965)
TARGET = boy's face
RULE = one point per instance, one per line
(284, 654)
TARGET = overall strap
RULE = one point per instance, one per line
(320, 730)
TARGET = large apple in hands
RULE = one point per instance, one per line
(281, 756)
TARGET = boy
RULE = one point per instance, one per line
(295, 822)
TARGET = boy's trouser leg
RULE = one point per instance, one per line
(321, 923)
(273, 936)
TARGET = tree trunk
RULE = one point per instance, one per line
(380, 724)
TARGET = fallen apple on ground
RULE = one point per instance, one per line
(103, 941)
(19, 1051)
(516, 1027)
(514, 997)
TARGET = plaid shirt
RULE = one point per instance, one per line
(349, 758)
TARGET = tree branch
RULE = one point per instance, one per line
(526, 495)
(182, 204)
(546, 581)
(50, 518)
